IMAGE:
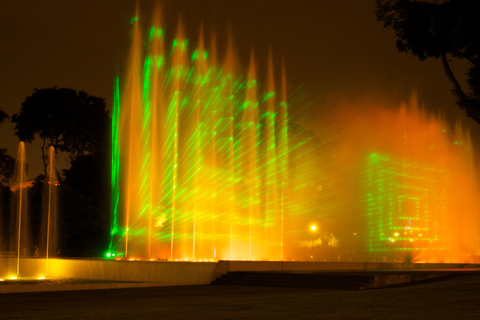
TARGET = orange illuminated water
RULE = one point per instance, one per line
(22, 239)
(208, 165)
(403, 186)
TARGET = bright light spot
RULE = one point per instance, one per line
(12, 278)
(109, 255)
(313, 227)
(41, 278)
(396, 234)
(2, 280)
(420, 235)
(161, 221)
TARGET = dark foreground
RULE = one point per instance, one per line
(456, 298)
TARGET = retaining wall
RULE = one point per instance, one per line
(182, 272)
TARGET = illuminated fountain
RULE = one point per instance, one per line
(22, 232)
(15, 243)
(47, 246)
(199, 155)
(404, 186)
(22, 241)
(206, 165)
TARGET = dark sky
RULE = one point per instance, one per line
(334, 49)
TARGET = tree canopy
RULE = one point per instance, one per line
(440, 30)
(3, 116)
(72, 121)
(78, 123)
(7, 163)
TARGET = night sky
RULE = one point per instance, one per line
(332, 49)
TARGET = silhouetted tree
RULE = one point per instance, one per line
(3, 116)
(441, 30)
(78, 123)
(86, 182)
(71, 121)
(7, 164)
(83, 225)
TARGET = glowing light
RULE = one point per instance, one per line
(313, 227)
(134, 20)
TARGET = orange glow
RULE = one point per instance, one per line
(26, 184)
(419, 183)
(221, 172)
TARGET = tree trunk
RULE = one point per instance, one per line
(471, 108)
(43, 156)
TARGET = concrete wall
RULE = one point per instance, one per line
(225, 266)
(184, 272)
(31, 268)
(122, 270)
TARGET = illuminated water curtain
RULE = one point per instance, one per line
(200, 156)
(207, 165)
(400, 185)
(405, 204)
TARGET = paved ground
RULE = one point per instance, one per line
(457, 298)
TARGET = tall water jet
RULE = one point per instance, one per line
(283, 157)
(19, 237)
(249, 160)
(157, 107)
(49, 226)
(227, 146)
